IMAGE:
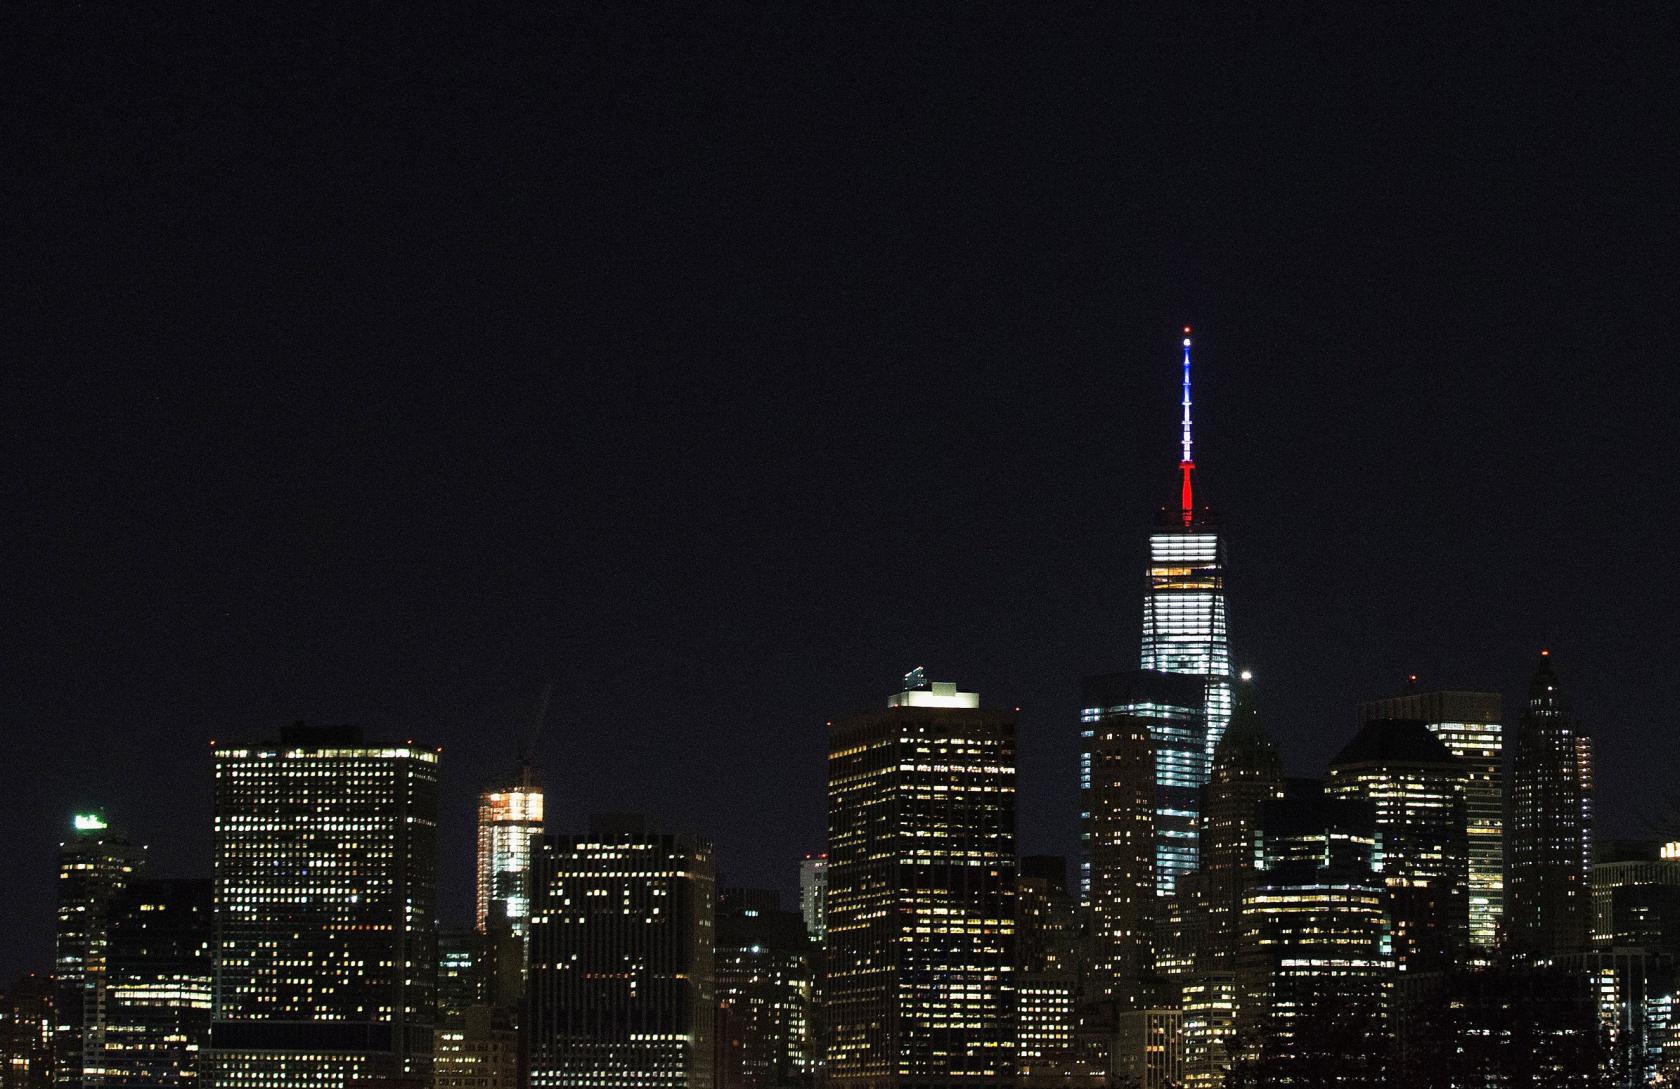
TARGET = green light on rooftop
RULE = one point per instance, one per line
(90, 822)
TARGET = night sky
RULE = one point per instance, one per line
(719, 366)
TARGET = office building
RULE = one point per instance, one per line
(1209, 1002)
(1415, 787)
(1636, 896)
(1500, 1027)
(921, 893)
(1048, 962)
(813, 893)
(1468, 724)
(620, 988)
(766, 989)
(26, 1033)
(159, 979)
(477, 1050)
(1149, 1049)
(324, 883)
(1314, 970)
(95, 865)
(1133, 827)
(1547, 883)
(1315, 967)
(1247, 773)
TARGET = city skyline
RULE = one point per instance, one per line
(716, 372)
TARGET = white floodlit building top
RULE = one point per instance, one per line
(936, 694)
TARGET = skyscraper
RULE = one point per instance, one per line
(1468, 724)
(1636, 896)
(813, 892)
(510, 822)
(766, 985)
(325, 873)
(1247, 773)
(95, 865)
(1138, 814)
(159, 977)
(26, 1034)
(1047, 967)
(921, 894)
(1547, 894)
(1314, 968)
(620, 991)
(1415, 787)
(1184, 624)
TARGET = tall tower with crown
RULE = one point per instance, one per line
(1184, 625)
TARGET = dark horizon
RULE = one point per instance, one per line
(720, 370)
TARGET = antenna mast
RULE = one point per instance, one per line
(1186, 463)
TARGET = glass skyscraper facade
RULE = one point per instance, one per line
(510, 821)
(1184, 627)
(1168, 708)
(324, 883)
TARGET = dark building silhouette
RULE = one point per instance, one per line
(325, 941)
(1636, 896)
(1415, 787)
(159, 979)
(620, 987)
(1548, 894)
(1247, 773)
(921, 893)
(1314, 968)
(1199, 944)
(26, 1033)
(766, 989)
(95, 865)
(1500, 1027)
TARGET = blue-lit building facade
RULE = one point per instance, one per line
(1168, 709)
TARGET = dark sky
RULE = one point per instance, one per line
(718, 366)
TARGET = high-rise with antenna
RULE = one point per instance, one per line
(1184, 631)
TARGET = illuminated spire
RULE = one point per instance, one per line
(1186, 462)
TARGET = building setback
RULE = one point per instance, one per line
(921, 893)
(620, 988)
(324, 886)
